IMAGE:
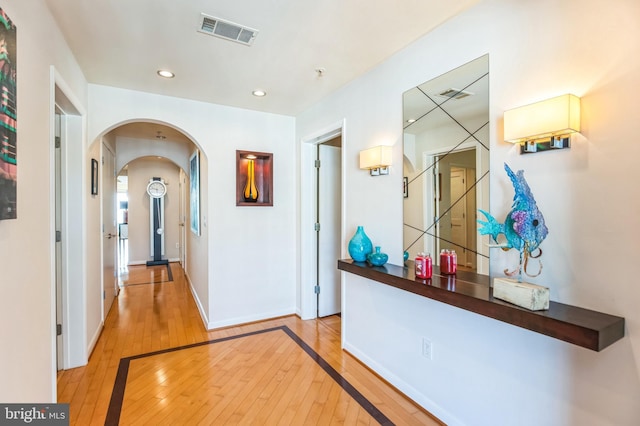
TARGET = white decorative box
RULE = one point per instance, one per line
(526, 295)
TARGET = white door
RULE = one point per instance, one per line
(183, 220)
(110, 234)
(58, 238)
(329, 244)
(472, 230)
(458, 213)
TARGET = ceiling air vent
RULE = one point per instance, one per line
(227, 30)
(455, 93)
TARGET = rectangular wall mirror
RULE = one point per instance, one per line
(446, 165)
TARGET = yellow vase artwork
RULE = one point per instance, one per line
(250, 190)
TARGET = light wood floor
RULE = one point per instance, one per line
(156, 364)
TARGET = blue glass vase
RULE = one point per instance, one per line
(376, 258)
(360, 246)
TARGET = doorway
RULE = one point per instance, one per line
(122, 204)
(69, 336)
(454, 204)
(319, 252)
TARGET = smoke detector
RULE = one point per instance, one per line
(227, 30)
(454, 94)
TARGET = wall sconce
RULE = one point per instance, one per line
(377, 160)
(543, 125)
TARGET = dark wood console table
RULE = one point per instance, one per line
(472, 292)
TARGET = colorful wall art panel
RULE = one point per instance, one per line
(8, 119)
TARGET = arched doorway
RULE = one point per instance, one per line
(155, 143)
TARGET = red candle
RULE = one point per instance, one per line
(448, 262)
(424, 266)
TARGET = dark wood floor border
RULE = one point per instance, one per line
(344, 384)
(120, 384)
(169, 272)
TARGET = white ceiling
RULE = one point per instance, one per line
(123, 43)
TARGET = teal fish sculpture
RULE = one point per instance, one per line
(524, 228)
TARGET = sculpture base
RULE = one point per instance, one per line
(157, 262)
(526, 295)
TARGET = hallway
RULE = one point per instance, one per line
(156, 364)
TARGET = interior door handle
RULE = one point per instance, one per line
(110, 235)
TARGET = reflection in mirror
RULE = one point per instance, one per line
(446, 163)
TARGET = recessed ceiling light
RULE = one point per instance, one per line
(259, 93)
(411, 120)
(166, 74)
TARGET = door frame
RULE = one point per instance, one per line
(307, 249)
(73, 198)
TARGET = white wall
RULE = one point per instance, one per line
(27, 362)
(485, 372)
(93, 300)
(197, 261)
(131, 148)
(250, 267)
(140, 171)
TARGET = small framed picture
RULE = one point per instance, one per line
(405, 187)
(94, 176)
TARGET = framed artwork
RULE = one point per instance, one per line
(9, 120)
(405, 187)
(194, 192)
(94, 176)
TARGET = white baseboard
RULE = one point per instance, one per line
(250, 318)
(203, 314)
(404, 387)
(94, 339)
